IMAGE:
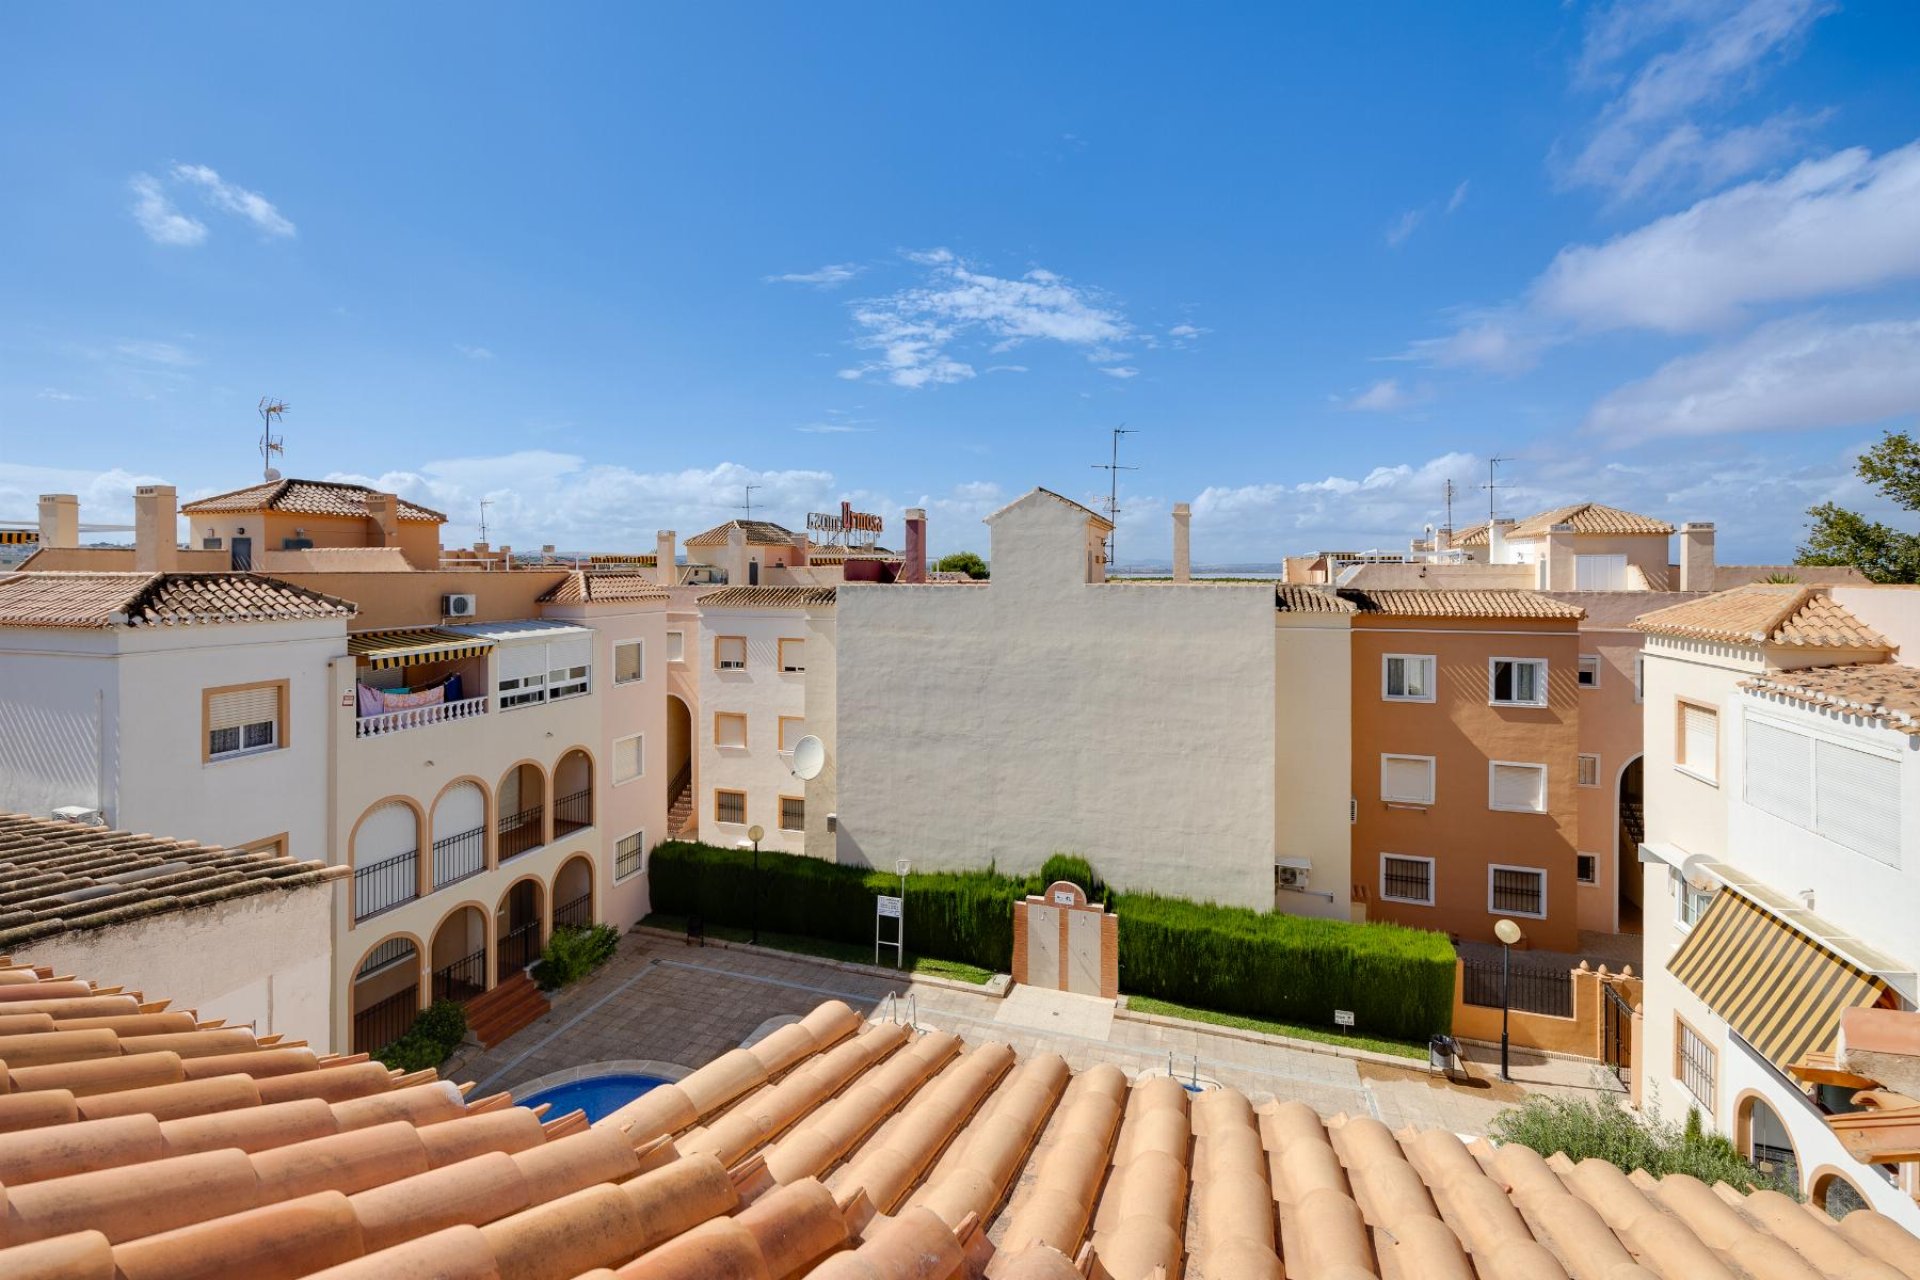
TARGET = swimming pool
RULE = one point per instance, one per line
(598, 1096)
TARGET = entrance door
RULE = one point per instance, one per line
(242, 554)
(1083, 952)
(1043, 947)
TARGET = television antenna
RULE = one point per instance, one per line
(270, 444)
(1448, 490)
(1492, 486)
(484, 504)
(747, 506)
(1113, 469)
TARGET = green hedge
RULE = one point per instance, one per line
(433, 1035)
(573, 952)
(1397, 981)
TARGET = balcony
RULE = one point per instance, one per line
(386, 722)
(522, 831)
(381, 886)
(457, 857)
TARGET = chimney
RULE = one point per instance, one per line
(156, 528)
(665, 572)
(736, 561)
(1182, 556)
(383, 510)
(1443, 538)
(1557, 565)
(59, 520)
(1696, 556)
(1497, 541)
(913, 568)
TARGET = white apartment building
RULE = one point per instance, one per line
(1782, 866)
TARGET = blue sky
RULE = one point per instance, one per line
(606, 265)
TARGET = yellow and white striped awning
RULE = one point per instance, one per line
(1780, 989)
(18, 537)
(413, 646)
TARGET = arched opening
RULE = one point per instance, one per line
(1633, 830)
(1763, 1139)
(572, 793)
(460, 955)
(516, 923)
(459, 834)
(523, 810)
(573, 894)
(1837, 1196)
(679, 767)
(386, 993)
(386, 859)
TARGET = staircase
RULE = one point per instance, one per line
(509, 1007)
(680, 809)
(1633, 825)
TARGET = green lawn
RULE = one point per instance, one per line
(922, 966)
(1167, 1009)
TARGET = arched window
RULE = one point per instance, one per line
(459, 834)
(386, 859)
(1765, 1142)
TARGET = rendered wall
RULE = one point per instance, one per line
(1312, 761)
(763, 694)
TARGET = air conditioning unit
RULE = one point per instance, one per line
(457, 606)
(1292, 875)
(81, 814)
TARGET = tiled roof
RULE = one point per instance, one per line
(157, 599)
(1425, 602)
(1310, 599)
(580, 587)
(1589, 517)
(834, 555)
(1474, 535)
(59, 876)
(1766, 614)
(1087, 511)
(307, 498)
(1884, 691)
(768, 598)
(760, 533)
(151, 1146)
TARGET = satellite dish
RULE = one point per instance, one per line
(809, 758)
(273, 473)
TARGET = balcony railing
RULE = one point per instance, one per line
(462, 980)
(577, 914)
(572, 812)
(386, 884)
(522, 831)
(379, 1025)
(459, 856)
(518, 949)
(418, 717)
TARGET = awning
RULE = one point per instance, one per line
(384, 649)
(18, 537)
(1782, 991)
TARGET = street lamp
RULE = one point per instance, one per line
(756, 833)
(1509, 933)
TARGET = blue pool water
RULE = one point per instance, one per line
(599, 1097)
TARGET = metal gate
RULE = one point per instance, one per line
(1617, 1031)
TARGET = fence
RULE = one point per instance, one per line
(379, 1025)
(1569, 1011)
(1527, 989)
(384, 885)
(457, 857)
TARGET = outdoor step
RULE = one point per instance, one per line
(510, 1006)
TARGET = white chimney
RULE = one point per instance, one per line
(59, 520)
(665, 572)
(1182, 554)
(156, 528)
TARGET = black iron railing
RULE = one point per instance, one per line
(518, 949)
(573, 811)
(576, 914)
(1536, 989)
(522, 831)
(458, 856)
(462, 980)
(386, 884)
(379, 1025)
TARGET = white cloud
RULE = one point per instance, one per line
(1459, 196)
(1122, 372)
(1007, 368)
(830, 276)
(831, 429)
(1385, 396)
(1786, 376)
(168, 354)
(156, 215)
(235, 199)
(1185, 331)
(473, 353)
(1503, 340)
(1403, 226)
(54, 393)
(106, 497)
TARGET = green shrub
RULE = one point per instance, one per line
(1075, 870)
(429, 1040)
(574, 952)
(1595, 1128)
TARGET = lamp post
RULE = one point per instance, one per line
(755, 833)
(1509, 933)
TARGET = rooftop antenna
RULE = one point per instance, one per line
(1492, 485)
(747, 506)
(1449, 492)
(484, 504)
(1113, 470)
(270, 443)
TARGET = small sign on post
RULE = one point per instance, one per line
(1343, 1017)
(886, 907)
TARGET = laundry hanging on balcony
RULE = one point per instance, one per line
(413, 646)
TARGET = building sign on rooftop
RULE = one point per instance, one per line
(849, 528)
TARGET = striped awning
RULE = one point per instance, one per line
(18, 537)
(1781, 990)
(383, 649)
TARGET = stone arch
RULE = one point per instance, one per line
(384, 851)
(459, 954)
(1835, 1193)
(573, 892)
(519, 926)
(521, 802)
(574, 791)
(461, 816)
(387, 991)
(1760, 1134)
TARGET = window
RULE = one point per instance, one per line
(676, 646)
(629, 661)
(1849, 796)
(1517, 788)
(730, 653)
(243, 719)
(1586, 868)
(272, 846)
(1691, 903)
(1589, 671)
(518, 691)
(792, 729)
(1407, 677)
(1697, 741)
(729, 729)
(730, 806)
(1517, 682)
(793, 655)
(566, 682)
(1600, 573)
(629, 855)
(629, 758)
(530, 672)
(1517, 891)
(1695, 1063)
(1587, 774)
(1404, 879)
(1406, 779)
(793, 813)
(1639, 677)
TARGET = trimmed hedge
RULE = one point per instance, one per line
(433, 1035)
(573, 952)
(1397, 981)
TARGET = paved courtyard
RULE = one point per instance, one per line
(682, 1006)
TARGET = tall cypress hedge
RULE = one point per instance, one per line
(1398, 982)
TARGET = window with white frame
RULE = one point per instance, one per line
(629, 856)
(1406, 779)
(676, 646)
(729, 729)
(567, 682)
(730, 653)
(543, 671)
(1589, 671)
(1600, 573)
(1517, 891)
(1586, 868)
(1696, 747)
(1695, 1063)
(1517, 682)
(1406, 879)
(793, 655)
(1847, 794)
(629, 758)
(1407, 677)
(1689, 903)
(1517, 788)
(1586, 771)
(518, 691)
(245, 720)
(629, 661)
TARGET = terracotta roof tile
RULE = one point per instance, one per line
(1884, 691)
(157, 599)
(768, 598)
(1589, 517)
(760, 533)
(308, 497)
(1474, 535)
(1085, 510)
(1309, 599)
(1766, 614)
(581, 587)
(1425, 602)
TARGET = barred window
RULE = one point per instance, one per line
(793, 813)
(1697, 1064)
(629, 855)
(1404, 879)
(729, 806)
(1517, 891)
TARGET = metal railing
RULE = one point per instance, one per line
(462, 980)
(386, 884)
(522, 831)
(1535, 989)
(418, 717)
(573, 812)
(577, 914)
(518, 949)
(458, 856)
(379, 1025)
(387, 954)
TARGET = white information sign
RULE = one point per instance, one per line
(1064, 898)
(890, 907)
(1343, 1017)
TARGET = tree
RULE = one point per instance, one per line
(1880, 551)
(963, 562)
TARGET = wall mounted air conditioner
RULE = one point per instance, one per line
(81, 814)
(452, 606)
(1292, 879)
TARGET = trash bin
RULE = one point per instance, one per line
(1443, 1054)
